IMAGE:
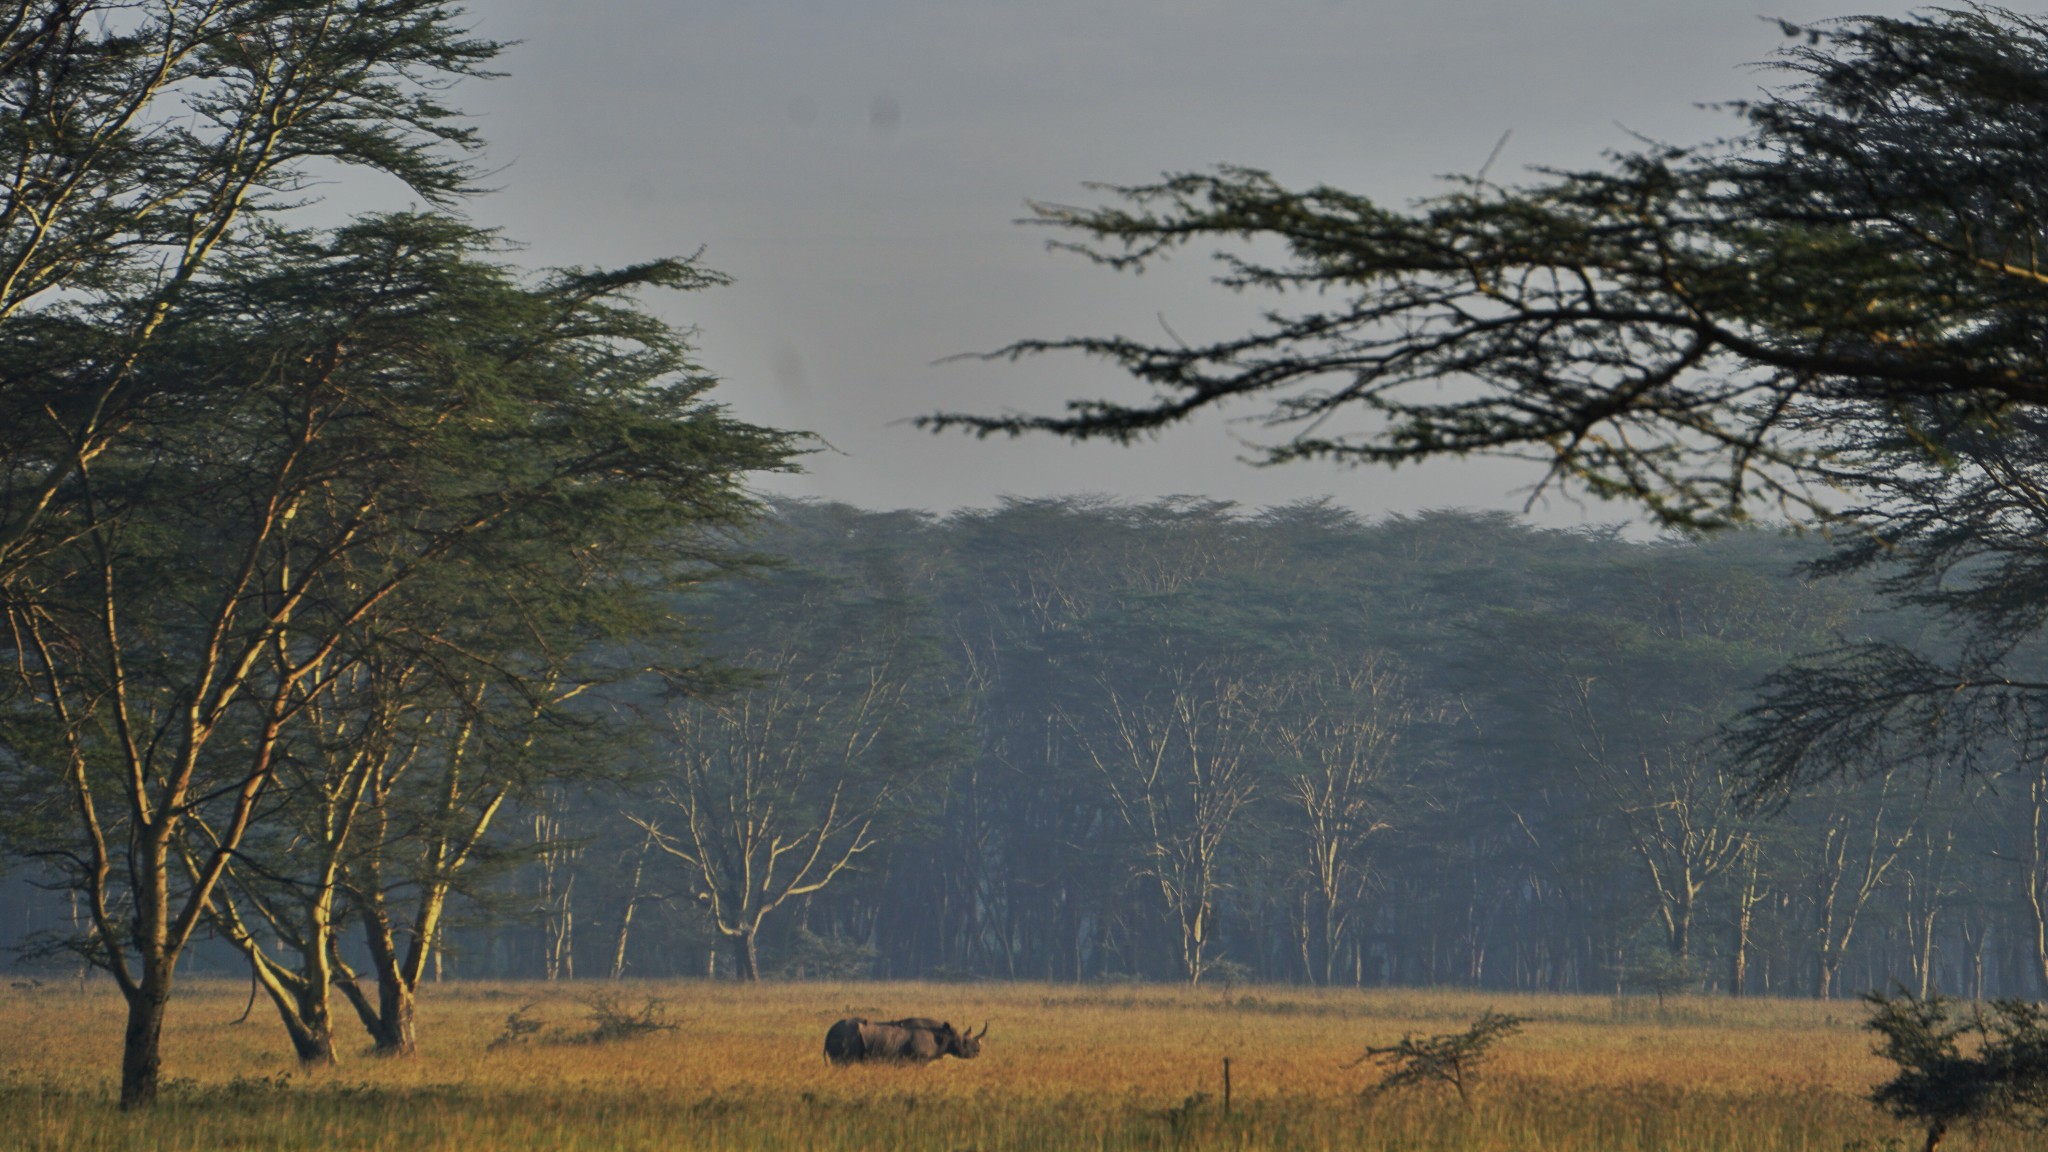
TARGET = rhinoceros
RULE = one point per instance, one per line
(917, 1038)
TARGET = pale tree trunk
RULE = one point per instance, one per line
(557, 889)
(464, 812)
(1194, 934)
(1672, 797)
(1925, 894)
(1344, 722)
(2037, 868)
(301, 998)
(1751, 894)
(1176, 770)
(626, 918)
(746, 954)
(1840, 910)
(389, 1020)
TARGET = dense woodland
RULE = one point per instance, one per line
(1084, 740)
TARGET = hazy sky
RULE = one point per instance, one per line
(857, 166)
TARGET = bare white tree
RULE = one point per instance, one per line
(1176, 757)
(1337, 730)
(776, 790)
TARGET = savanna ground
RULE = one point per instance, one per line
(1097, 1067)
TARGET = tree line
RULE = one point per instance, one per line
(1080, 740)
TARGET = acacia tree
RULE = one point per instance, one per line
(317, 799)
(336, 443)
(479, 743)
(386, 807)
(1847, 294)
(1959, 544)
(1177, 757)
(140, 141)
(1687, 328)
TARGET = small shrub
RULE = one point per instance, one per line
(611, 1021)
(1450, 1058)
(1230, 974)
(519, 1028)
(2000, 1077)
(1660, 971)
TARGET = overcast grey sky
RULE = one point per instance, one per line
(857, 166)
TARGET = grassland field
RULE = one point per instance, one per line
(1095, 1067)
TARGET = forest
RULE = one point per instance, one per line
(1087, 740)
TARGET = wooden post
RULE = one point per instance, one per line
(1226, 1085)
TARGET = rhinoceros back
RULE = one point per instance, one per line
(843, 1042)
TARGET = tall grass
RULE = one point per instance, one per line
(1064, 1067)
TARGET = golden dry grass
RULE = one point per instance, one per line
(1065, 1067)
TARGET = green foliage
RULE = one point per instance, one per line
(1699, 330)
(1956, 546)
(1953, 1067)
(144, 142)
(1657, 969)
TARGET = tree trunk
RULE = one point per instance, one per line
(390, 1022)
(746, 956)
(2037, 871)
(1333, 938)
(142, 1046)
(1738, 969)
(626, 919)
(149, 993)
(1308, 962)
(1751, 894)
(303, 1008)
(312, 1039)
(394, 1031)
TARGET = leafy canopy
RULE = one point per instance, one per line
(1702, 329)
